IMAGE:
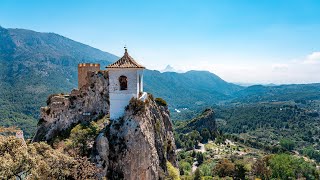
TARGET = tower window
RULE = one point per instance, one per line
(123, 83)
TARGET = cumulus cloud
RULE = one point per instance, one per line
(312, 58)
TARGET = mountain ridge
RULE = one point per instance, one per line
(34, 65)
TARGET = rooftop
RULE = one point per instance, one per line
(125, 62)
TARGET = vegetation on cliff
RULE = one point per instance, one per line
(40, 161)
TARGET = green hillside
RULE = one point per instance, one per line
(34, 65)
(258, 93)
(190, 89)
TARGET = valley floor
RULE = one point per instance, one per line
(228, 154)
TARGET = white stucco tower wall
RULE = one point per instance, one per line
(119, 97)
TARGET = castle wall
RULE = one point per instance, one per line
(83, 70)
(119, 99)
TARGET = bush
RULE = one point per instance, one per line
(186, 177)
(240, 171)
(185, 167)
(206, 178)
(173, 173)
(200, 158)
(40, 161)
(224, 168)
(205, 133)
(197, 175)
(206, 168)
(158, 126)
(150, 96)
(284, 166)
(81, 138)
(136, 106)
(161, 102)
(287, 144)
(312, 153)
(260, 168)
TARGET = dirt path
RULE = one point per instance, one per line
(178, 150)
(194, 166)
(202, 149)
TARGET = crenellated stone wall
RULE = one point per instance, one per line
(83, 69)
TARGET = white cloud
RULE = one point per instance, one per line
(313, 58)
(280, 67)
(251, 70)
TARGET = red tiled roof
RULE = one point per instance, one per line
(125, 62)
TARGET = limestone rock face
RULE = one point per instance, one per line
(65, 111)
(101, 153)
(140, 143)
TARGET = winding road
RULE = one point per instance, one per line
(202, 149)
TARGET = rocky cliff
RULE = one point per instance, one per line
(205, 120)
(137, 146)
(65, 111)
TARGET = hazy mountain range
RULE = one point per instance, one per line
(34, 65)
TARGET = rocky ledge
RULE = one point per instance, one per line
(63, 112)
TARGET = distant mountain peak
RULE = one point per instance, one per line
(169, 68)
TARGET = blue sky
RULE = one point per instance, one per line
(264, 41)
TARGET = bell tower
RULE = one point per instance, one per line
(125, 82)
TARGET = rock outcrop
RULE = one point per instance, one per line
(65, 111)
(140, 143)
(205, 120)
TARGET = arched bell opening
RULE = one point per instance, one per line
(123, 81)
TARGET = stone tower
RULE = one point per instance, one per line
(125, 82)
(83, 70)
